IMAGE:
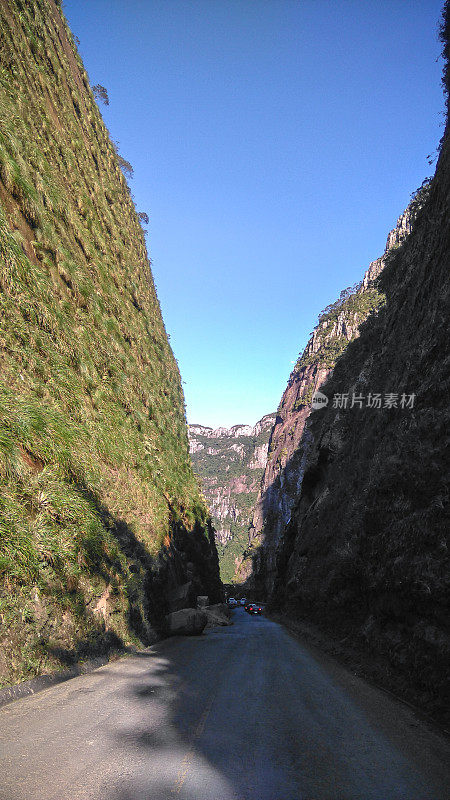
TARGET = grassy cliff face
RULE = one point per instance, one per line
(96, 483)
(365, 555)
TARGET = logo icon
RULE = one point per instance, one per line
(319, 400)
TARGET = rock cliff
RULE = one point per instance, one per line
(362, 550)
(101, 518)
(230, 463)
(338, 325)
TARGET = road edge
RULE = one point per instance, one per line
(34, 685)
(315, 639)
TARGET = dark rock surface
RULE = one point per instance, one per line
(363, 549)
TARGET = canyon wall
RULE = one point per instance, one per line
(338, 325)
(363, 550)
(101, 517)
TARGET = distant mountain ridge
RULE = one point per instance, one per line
(234, 431)
(230, 463)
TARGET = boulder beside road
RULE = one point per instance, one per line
(218, 614)
(186, 622)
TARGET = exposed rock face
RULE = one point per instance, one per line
(365, 554)
(338, 325)
(230, 463)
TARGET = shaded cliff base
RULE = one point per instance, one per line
(82, 667)
(52, 628)
(365, 664)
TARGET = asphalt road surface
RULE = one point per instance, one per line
(240, 713)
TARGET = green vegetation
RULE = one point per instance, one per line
(101, 93)
(94, 463)
(305, 399)
(352, 308)
(231, 554)
(213, 465)
(230, 486)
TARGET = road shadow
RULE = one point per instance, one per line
(239, 721)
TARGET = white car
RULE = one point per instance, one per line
(232, 602)
(243, 601)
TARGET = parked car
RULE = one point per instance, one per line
(232, 602)
(255, 608)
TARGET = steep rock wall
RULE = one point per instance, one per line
(338, 325)
(366, 552)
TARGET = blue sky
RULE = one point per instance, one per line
(274, 144)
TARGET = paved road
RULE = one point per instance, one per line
(240, 713)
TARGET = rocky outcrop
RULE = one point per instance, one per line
(230, 463)
(218, 614)
(338, 325)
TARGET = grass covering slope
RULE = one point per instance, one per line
(94, 463)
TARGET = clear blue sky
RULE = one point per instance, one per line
(274, 144)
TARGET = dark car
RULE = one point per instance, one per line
(255, 608)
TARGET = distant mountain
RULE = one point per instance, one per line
(230, 463)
